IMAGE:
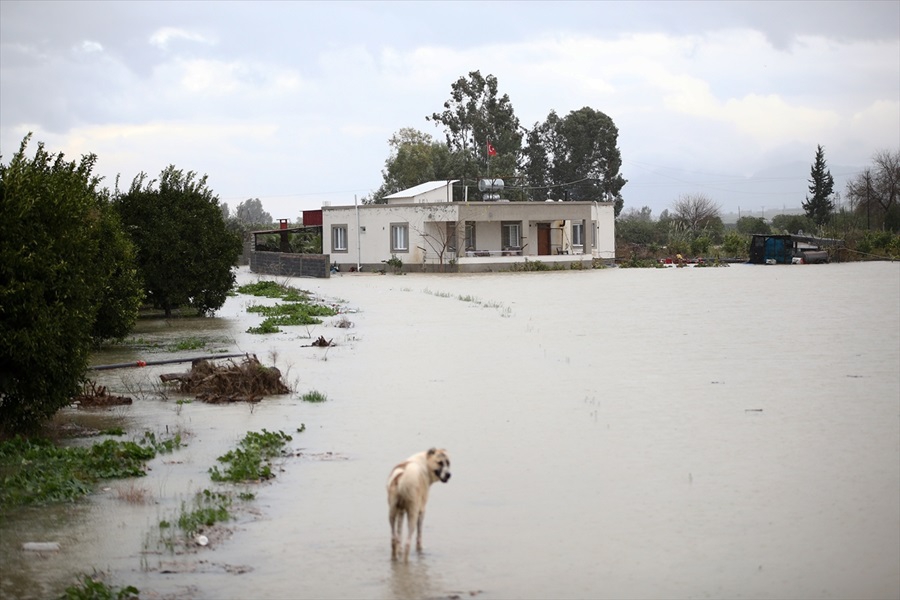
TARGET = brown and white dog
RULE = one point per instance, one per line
(407, 489)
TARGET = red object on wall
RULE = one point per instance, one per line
(311, 218)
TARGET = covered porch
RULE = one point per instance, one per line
(492, 236)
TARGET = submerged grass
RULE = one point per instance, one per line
(91, 588)
(183, 344)
(297, 308)
(36, 471)
(314, 396)
(252, 459)
(209, 508)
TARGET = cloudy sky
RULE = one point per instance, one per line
(293, 102)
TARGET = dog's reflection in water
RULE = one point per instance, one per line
(413, 580)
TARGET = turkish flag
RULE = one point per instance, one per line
(491, 151)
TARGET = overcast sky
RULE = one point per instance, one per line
(294, 102)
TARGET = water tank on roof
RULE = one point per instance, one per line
(490, 185)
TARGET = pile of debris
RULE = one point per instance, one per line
(97, 395)
(248, 381)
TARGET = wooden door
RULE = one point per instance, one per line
(543, 231)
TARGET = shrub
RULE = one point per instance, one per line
(66, 279)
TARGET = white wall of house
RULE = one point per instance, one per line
(369, 241)
(366, 235)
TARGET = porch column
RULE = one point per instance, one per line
(587, 233)
(526, 237)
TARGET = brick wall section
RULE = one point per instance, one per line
(290, 265)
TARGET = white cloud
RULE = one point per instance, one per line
(162, 37)
(90, 47)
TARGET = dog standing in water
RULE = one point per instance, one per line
(407, 489)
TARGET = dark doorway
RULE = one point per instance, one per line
(543, 231)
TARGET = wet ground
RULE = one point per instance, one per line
(718, 433)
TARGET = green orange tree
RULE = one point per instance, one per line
(185, 252)
(67, 279)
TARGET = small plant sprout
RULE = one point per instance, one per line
(314, 396)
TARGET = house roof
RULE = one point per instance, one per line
(422, 188)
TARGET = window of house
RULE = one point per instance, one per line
(511, 232)
(451, 240)
(470, 235)
(578, 233)
(399, 237)
(594, 234)
(338, 238)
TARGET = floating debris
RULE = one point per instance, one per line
(248, 381)
(97, 395)
(321, 342)
(40, 546)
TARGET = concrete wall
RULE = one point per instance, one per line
(290, 265)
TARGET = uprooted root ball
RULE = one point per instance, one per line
(248, 381)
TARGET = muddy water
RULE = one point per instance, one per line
(717, 433)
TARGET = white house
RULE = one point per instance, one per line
(426, 229)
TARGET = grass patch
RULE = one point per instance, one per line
(297, 309)
(209, 508)
(190, 343)
(267, 326)
(314, 396)
(134, 494)
(272, 289)
(185, 344)
(252, 459)
(37, 471)
(163, 445)
(89, 588)
(536, 265)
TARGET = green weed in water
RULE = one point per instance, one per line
(295, 310)
(314, 396)
(209, 508)
(191, 343)
(272, 289)
(90, 588)
(251, 460)
(36, 471)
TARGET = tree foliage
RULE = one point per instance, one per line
(875, 193)
(185, 252)
(65, 280)
(696, 212)
(819, 206)
(476, 114)
(122, 294)
(250, 214)
(751, 225)
(793, 223)
(415, 158)
(575, 156)
(638, 227)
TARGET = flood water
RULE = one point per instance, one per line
(617, 433)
